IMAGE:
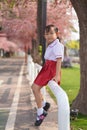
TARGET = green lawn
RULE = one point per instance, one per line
(71, 83)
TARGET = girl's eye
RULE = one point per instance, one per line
(49, 33)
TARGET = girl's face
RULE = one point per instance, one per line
(51, 35)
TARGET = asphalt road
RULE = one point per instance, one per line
(17, 104)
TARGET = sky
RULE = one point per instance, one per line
(75, 35)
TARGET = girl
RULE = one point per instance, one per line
(50, 71)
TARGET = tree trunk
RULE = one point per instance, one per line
(80, 102)
(41, 24)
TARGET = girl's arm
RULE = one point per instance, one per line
(58, 70)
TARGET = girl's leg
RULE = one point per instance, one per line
(41, 114)
(40, 100)
(63, 106)
(37, 94)
(43, 95)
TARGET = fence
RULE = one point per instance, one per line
(61, 96)
(33, 69)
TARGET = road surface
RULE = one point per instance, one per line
(17, 104)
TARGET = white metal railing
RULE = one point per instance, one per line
(61, 96)
(33, 70)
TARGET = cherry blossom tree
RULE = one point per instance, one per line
(19, 20)
(60, 15)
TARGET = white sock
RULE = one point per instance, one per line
(39, 112)
(43, 103)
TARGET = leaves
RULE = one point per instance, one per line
(7, 45)
(73, 44)
(19, 19)
(60, 17)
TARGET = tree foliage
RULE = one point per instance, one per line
(60, 15)
(19, 22)
(73, 44)
(19, 19)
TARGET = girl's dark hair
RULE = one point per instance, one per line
(48, 28)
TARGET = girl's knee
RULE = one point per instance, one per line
(35, 88)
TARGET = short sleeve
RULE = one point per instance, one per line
(58, 50)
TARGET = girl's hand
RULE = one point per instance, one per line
(56, 79)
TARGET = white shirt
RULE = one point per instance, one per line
(54, 50)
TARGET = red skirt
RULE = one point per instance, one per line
(47, 72)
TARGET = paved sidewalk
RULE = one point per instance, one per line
(50, 122)
(17, 103)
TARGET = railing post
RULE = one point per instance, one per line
(30, 68)
(63, 105)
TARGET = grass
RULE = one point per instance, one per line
(70, 82)
(80, 123)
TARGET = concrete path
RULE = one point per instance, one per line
(17, 104)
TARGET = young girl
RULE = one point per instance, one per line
(50, 72)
